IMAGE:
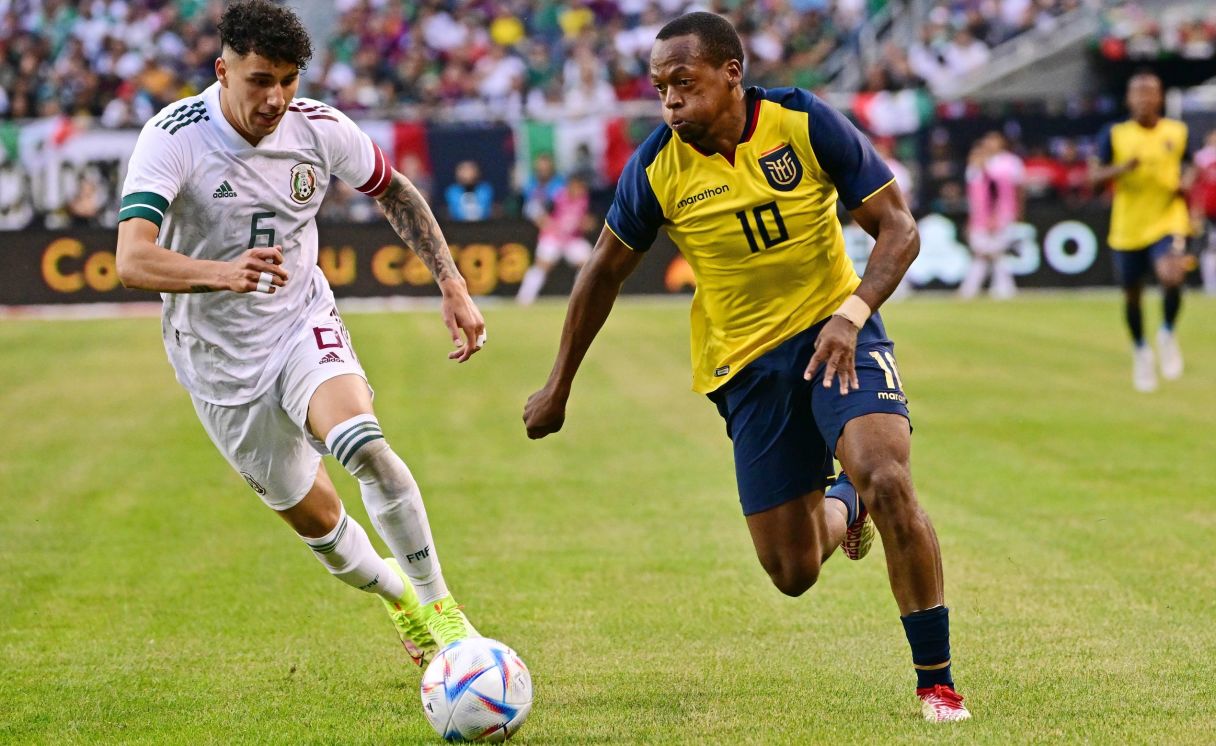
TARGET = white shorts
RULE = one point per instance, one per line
(574, 250)
(267, 440)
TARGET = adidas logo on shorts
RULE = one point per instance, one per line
(224, 190)
(330, 358)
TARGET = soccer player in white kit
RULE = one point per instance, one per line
(218, 216)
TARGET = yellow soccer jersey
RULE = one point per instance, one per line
(760, 232)
(1147, 205)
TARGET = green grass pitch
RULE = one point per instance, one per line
(148, 597)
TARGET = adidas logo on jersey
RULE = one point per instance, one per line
(224, 190)
(330, 358)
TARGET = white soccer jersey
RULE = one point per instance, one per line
(214, 196)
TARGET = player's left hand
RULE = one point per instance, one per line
(460, 314)
(836, 348)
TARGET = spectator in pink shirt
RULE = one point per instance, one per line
(562, 236)
(994, 196)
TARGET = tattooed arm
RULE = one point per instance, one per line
(411, 217)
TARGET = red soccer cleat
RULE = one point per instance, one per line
(941, 704)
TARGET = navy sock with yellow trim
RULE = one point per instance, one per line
(928, 634)
(844, 491)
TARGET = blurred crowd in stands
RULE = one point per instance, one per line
(123, 59)
(1131, 31)
(116, 62)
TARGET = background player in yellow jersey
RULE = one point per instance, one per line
(1148, 219)
(785, 340)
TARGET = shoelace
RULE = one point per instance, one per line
(946, 694)
(448, 622)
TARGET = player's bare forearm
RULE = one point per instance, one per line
(595, 292)
(896, 244)
(411, 217)
(144, 265)
(1100, 173)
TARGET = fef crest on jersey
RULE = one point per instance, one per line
(782, 168)
(303, 182)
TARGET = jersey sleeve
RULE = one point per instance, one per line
(353, 157)
(846, 155)
(1106, 148)
(635, 215)
(155, 174)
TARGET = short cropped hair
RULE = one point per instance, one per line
(719, 40)
(267, 29)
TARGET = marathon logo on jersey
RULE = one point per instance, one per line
(711, 192)
(782, 168)
(330, 358)
(223, 190)
(893, 396)
(303, 182)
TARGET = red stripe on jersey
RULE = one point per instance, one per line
(321, 116)
(381, 174)
(301, 107)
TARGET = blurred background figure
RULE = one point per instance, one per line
(541, 189)
(562, 236)
(994, 198)
(1203, 210)
(470, 198)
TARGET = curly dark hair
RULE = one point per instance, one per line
(719, 40)
(270, 30)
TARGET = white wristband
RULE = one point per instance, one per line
(855, 310)
(265, 282)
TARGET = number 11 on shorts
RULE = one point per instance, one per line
(889, 369)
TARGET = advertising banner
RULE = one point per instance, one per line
(1056, 247)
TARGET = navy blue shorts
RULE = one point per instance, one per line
(785, 428)
(1132, 266)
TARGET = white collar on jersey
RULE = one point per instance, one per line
(211, 97)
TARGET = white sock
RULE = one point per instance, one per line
(349, 555)
(534, 280)
(392, 499)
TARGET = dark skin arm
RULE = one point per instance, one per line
(884, 216)
(598, 285)
(1100, 173)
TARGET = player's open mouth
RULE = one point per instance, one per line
(267, 118)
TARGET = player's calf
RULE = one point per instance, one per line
(393, 500)
(348, 554)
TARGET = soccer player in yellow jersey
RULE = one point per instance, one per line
(786, 340)
(1149, 221)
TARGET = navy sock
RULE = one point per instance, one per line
(1135, 323)
(1173, 304)
(928, 634)
(845, 492)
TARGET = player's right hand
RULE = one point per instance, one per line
(245, 273)
(545, 413)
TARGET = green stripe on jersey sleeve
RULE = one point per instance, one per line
(146, 205)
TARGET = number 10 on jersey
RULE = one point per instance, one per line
(764, 215)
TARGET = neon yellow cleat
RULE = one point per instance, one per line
(446, 622)
(407, 618)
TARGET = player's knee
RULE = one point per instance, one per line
(360, 447)
(886, 488)
(792, 578)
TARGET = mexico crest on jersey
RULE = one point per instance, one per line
(782, 168)
(303, 182)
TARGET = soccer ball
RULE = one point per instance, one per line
(476, 689)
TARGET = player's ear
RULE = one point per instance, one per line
(734, 73)
(221, 71)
